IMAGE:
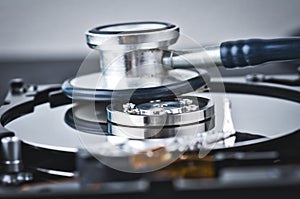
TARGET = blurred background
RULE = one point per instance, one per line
(43, 41)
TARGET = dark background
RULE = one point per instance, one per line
(43, 41)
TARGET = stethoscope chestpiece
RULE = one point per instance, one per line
(130, 65)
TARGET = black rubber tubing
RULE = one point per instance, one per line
(249, 52)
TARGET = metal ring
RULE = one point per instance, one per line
(204, 111)
(166, 132)
(193, 81)
(132, 36)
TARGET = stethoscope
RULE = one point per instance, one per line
(154, 35)
(135, 59)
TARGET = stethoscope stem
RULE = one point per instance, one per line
(233, 54)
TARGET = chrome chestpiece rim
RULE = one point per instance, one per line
(133, 36)
(179, 111)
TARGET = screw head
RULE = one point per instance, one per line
(16, 85)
